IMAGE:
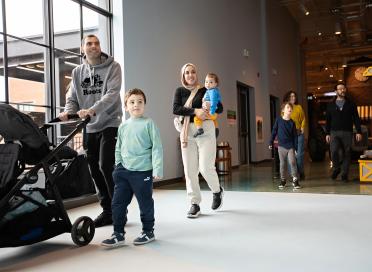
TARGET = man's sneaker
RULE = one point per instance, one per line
(194, 211)
(117, 239)
(335, 173)
(276, 175)
(282, 184)
(200, 131)
(144, 238)
(296, 184)
(104, 219)
(217, 199)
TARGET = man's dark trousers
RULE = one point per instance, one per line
(101, 159)
(341, 141)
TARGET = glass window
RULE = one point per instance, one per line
(66, 32)
(29, 89)
(100, 3)
(64, 64)
(24, 18)
(98, 25)
(1, 19)
(37, 113)
(2, 83)
(26, 79)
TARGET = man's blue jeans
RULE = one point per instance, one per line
(300, 153)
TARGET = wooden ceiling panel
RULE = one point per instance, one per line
(328, 49)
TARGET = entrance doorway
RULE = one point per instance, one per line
(244, 123)
(274, 112)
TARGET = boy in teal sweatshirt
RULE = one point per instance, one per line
(138, 160)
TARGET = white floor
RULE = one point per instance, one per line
(253, 232)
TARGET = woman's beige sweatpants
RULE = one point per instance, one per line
(200, 155)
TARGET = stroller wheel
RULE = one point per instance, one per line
(82, 231)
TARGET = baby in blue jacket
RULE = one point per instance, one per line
(210, 100)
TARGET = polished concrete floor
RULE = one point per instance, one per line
(325, 226)
(259, 178)
(254, 231)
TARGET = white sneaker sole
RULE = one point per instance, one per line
(193, 215)
(118, 244)
(142, 243)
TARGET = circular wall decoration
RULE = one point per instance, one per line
(359, 74)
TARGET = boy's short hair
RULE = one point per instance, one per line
(214, 76)
(285, 104)
(134, 91)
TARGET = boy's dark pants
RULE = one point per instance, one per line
(129, 183)
(100, 148)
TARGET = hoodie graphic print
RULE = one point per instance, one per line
(97, 87)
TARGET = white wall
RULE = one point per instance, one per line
(283, 54)
(161, 35)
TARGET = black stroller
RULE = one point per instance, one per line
(29, 215)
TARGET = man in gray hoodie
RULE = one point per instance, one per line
(95, 91)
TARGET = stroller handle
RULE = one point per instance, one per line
(69, 117)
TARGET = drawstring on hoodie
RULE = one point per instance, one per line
(91, 75)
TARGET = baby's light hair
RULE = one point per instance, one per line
(214, 76)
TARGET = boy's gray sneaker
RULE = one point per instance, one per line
(144, 238)
(282, 184)
(296, 184)
(117, 239)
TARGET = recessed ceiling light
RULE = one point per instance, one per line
(330, 75)
(304, 9)
(319, 33)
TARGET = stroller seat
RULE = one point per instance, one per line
(25, 143)
(30, 214)
(10, 166)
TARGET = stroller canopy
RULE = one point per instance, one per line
(15, 125)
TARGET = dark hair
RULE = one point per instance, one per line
(88, 36)
(340, 83)
(215, 77)
(285, 104)
(134, 91)
(287, 96)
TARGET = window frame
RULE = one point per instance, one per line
(49, 47)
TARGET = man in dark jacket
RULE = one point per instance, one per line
(341, 115)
